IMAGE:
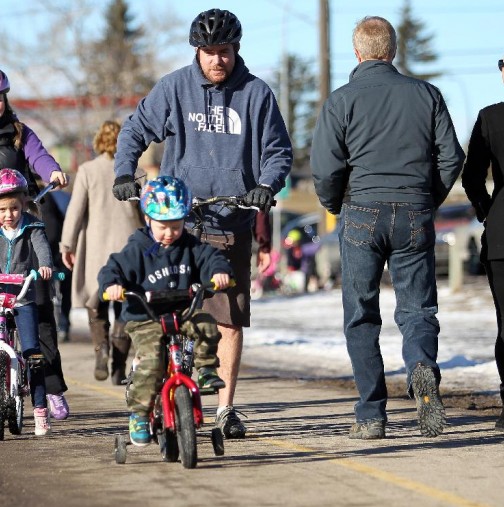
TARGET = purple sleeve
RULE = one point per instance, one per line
(37, 156)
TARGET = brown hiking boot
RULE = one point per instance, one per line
(101, 365)
(367, 430)
(431, 412)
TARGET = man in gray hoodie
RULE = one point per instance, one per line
(388, 143)
(224, 135)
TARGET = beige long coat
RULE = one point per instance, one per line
(96, 225)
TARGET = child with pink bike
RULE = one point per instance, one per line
(23, 246)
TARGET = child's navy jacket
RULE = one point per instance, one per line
(144, 265)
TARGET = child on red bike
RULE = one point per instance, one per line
(160, 256)
(23, 246)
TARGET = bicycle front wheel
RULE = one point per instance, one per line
(186, 431)
(4, 390)
(15, 416)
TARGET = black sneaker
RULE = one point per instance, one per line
(367, 430)
(431, 412)
(229, 423)
(499, 424)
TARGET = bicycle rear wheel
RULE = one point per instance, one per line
(186, 431)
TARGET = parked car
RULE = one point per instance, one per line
(307, 224)
(451, 223)
(328, 259)
(474, 231)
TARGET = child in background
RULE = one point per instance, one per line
(24, 245)
(160, 256)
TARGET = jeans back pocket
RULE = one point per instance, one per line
(423, 234)
(360, 224)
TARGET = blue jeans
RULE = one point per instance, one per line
(401, 235)
(27, 324)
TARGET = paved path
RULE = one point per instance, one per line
(297, 453)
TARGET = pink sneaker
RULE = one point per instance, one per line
(42, 423)
(58, 406)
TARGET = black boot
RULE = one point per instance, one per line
(121, 344)
(101, 365)
(499, 424)
(100, 336)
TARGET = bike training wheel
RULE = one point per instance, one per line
(168, 445)
(120, 450)
(4, 389)
(186, 432)
(218, 442)
(15, 415)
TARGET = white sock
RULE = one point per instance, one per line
(221, 409)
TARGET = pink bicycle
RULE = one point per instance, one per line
(14, 385)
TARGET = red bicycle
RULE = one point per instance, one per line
(177, 409)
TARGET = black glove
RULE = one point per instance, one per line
(125, 187)
(482, 209)
(261, 197)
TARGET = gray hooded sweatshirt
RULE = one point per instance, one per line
(219, 139)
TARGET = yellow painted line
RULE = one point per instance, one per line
(382, 475)
(115, 393)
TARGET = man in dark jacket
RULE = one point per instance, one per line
(388, 143)
(224, 135)
(486, 149)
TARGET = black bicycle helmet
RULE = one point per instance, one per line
(214, 27)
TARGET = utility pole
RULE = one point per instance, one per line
(324, 51)
(328, 221)
(285, 110)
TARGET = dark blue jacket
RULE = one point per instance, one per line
(144, 265)
(384, 137)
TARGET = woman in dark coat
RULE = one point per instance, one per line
(486, 149)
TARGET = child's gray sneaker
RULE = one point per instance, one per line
(229, 423)
(431, 412)
(367, 430)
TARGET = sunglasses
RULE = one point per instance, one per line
(500, 64)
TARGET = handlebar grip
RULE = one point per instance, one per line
(51, 186)
(232, 283)
(106, 297)
(57, 275)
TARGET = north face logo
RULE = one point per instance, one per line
(217, 121)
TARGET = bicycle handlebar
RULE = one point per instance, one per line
(52, 185)
(194, 294)
(229, 200)
(25, 281)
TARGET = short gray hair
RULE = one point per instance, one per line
(375, 38)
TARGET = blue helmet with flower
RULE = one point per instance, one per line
(165, 198)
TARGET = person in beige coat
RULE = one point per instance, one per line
(95, 226)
